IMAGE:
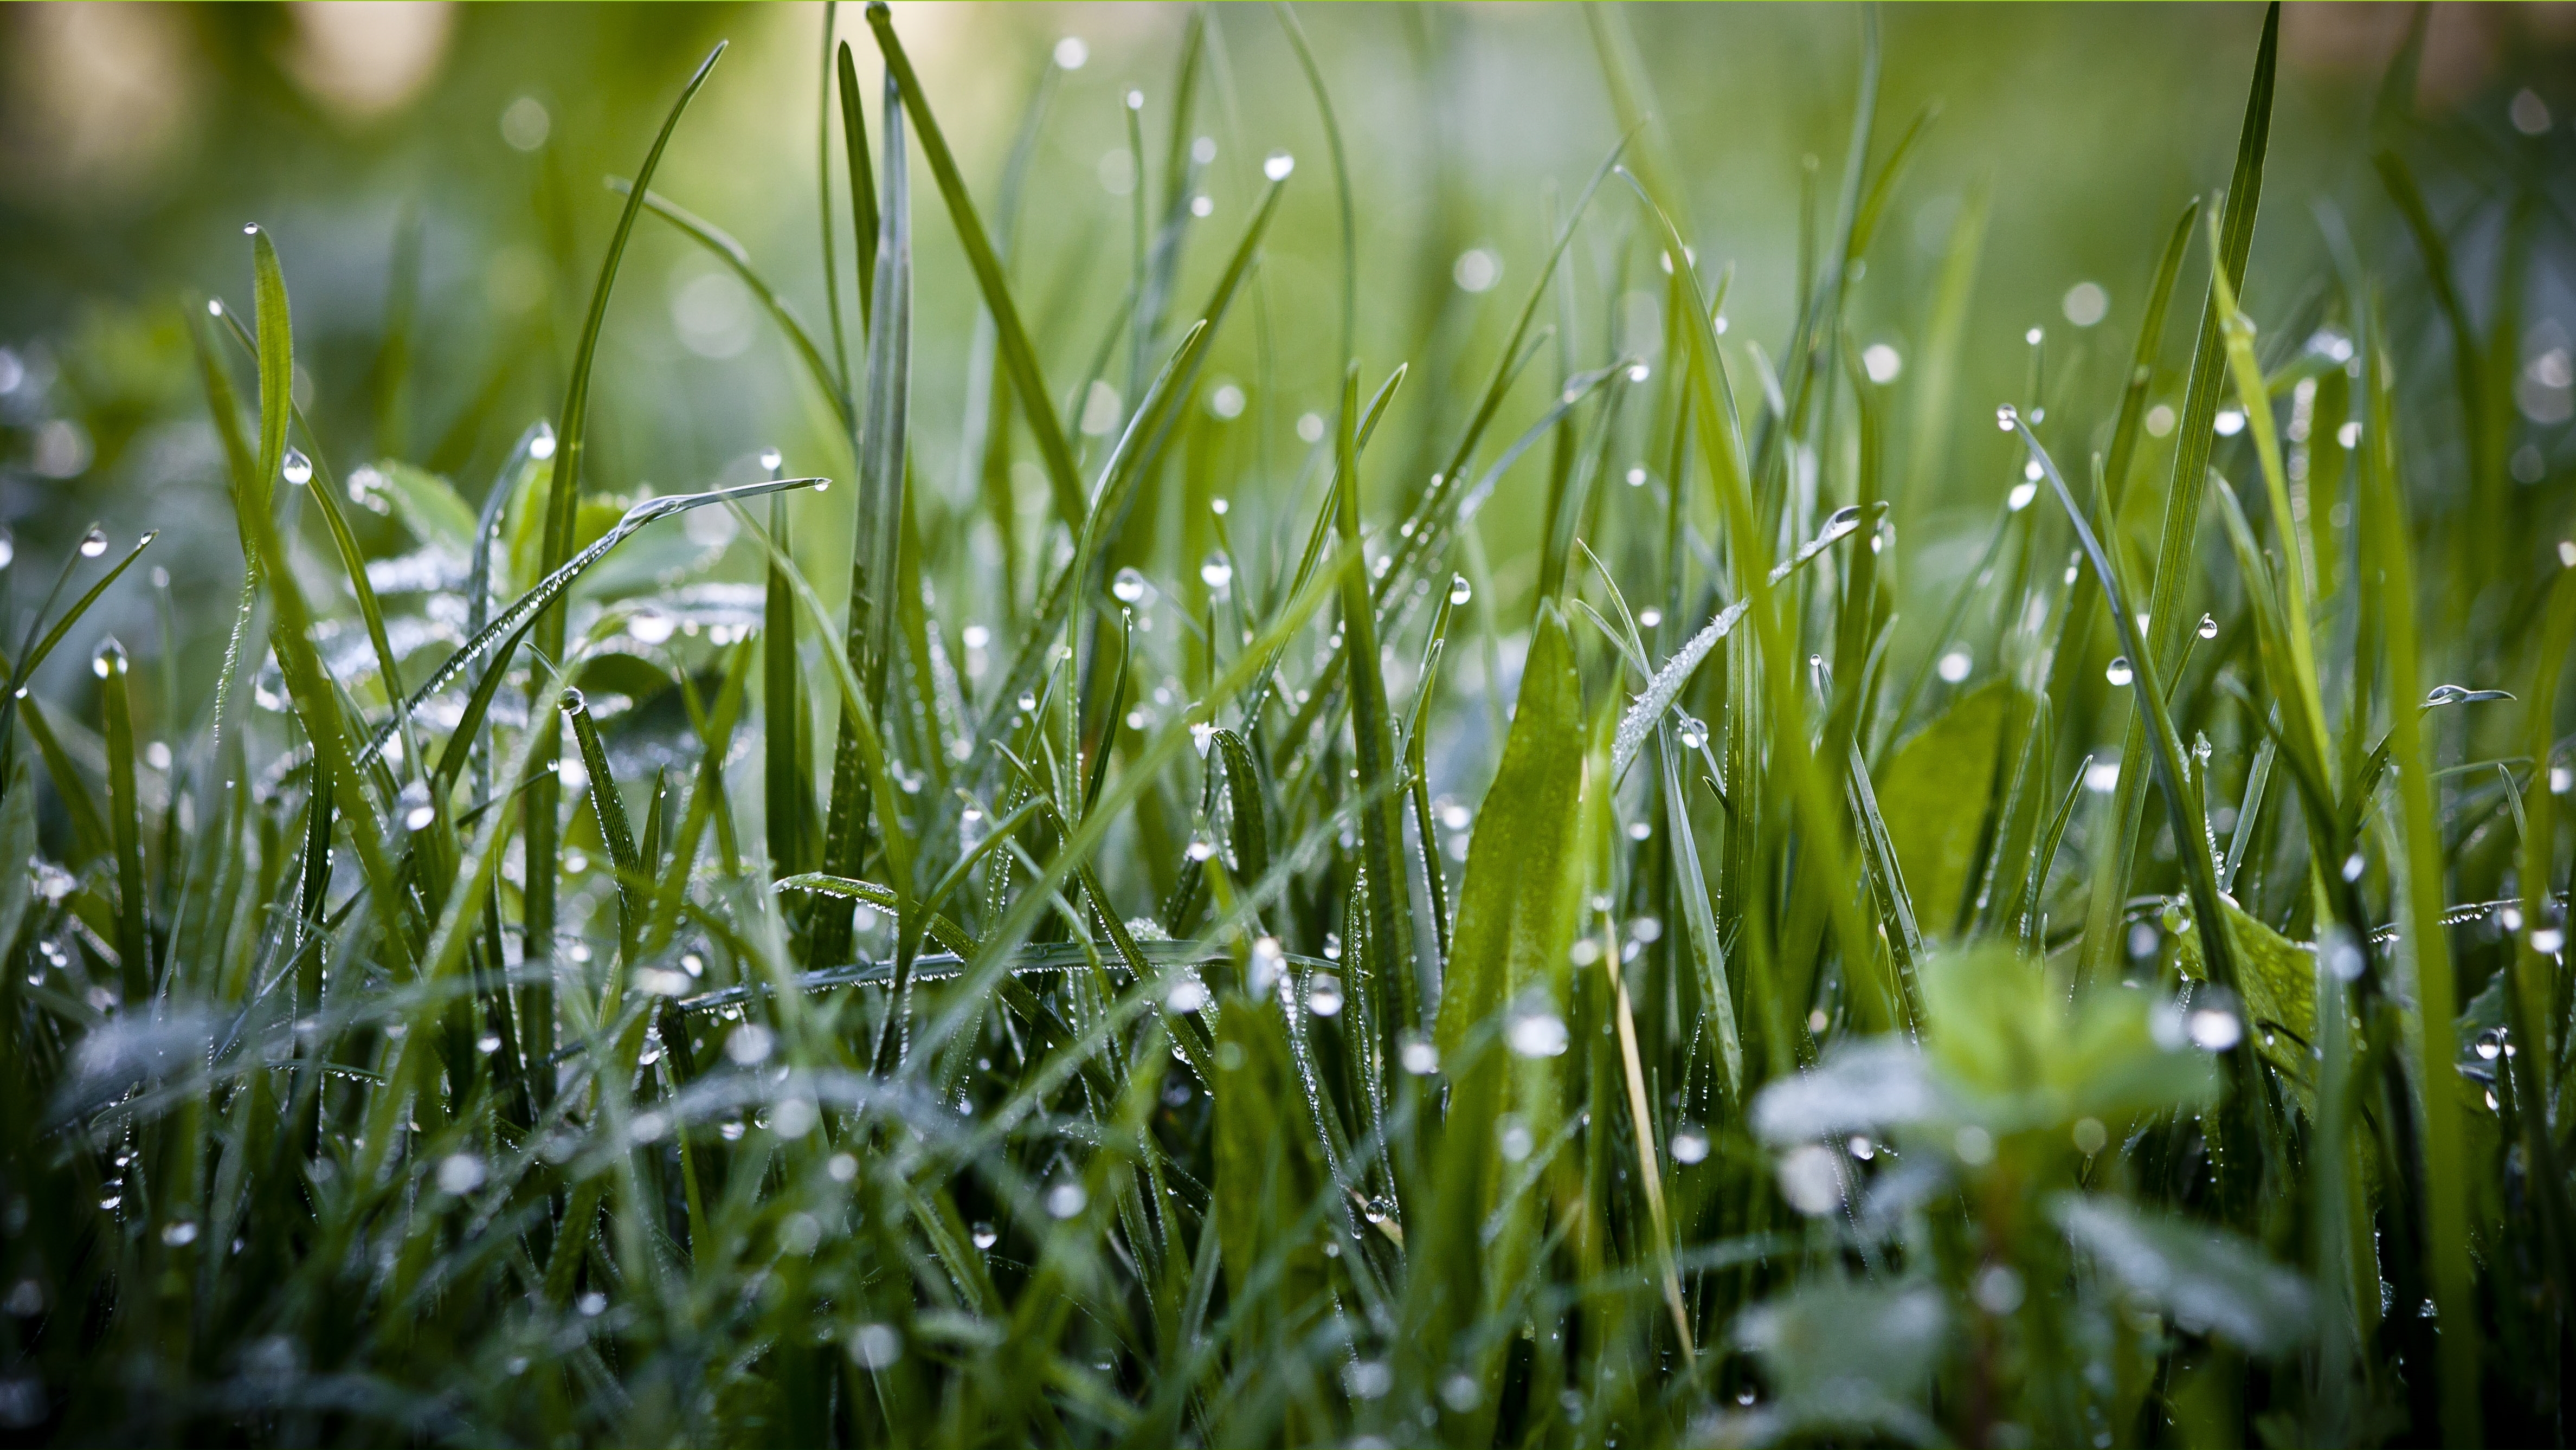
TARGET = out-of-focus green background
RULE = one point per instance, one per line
(136, 140)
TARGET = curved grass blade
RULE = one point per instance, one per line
(1028, 382)
(737, 257)
(875, 552)
(1666, 686)
(562, 507)
(2181, 791)
(528, 607)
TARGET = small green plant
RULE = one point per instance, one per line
(580, 979)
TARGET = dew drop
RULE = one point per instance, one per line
(93, 543)
(1324, 995)
(2021, 495)
(1128, 586)
(985, 1235)
(299, 469)
(1459, 590)
(2007, 418)
(2209, 626)
(1955, 665)
(2119, 672)
(1216, 573)
(770, 458)
(1277, 165)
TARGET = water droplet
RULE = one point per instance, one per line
(1324, 995)
(1954, 666)
(542, 447)
(1694, 733)
(2353, 866)
(1881, 362)
(1277, 165)
(2215, 1031)
(2007, 418)
(2209, 626)
(1128, 586)
(985, 1235)
(2021, 495)
(1419, 1056)
(1065, 1200)
(2548, 940)
(1216, 573)
(93, 543)
(2119, 673)
(298, 469)
(2229, 422)
(2034, 337)
(1028, 703)
(1690, 1145)
(770, 458)
(1459, 590)
(1537, 1034)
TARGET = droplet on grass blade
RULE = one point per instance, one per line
(93, 543)
(1277, 165)
(1537, 1034)
(2119, 672)
(298, 468)
(2215, 1030)
(1324, 995)
(1690, 1145)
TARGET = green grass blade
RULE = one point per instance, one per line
(1028, 383)
(125, 820)
(874, 553)
(2445, 1220)
(2177, 544)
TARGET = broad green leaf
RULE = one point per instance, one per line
(1850, 1360)
(2278, 979)
(427, 504)
(1935, 794)
(1516, 908)
(2209, 1280)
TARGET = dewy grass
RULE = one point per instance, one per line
(1099, 1041)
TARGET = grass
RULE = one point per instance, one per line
(1316, 986)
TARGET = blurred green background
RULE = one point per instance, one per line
(463, 148)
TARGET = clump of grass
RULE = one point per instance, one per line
(752, 1013)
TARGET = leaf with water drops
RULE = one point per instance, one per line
(2208, 1280)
